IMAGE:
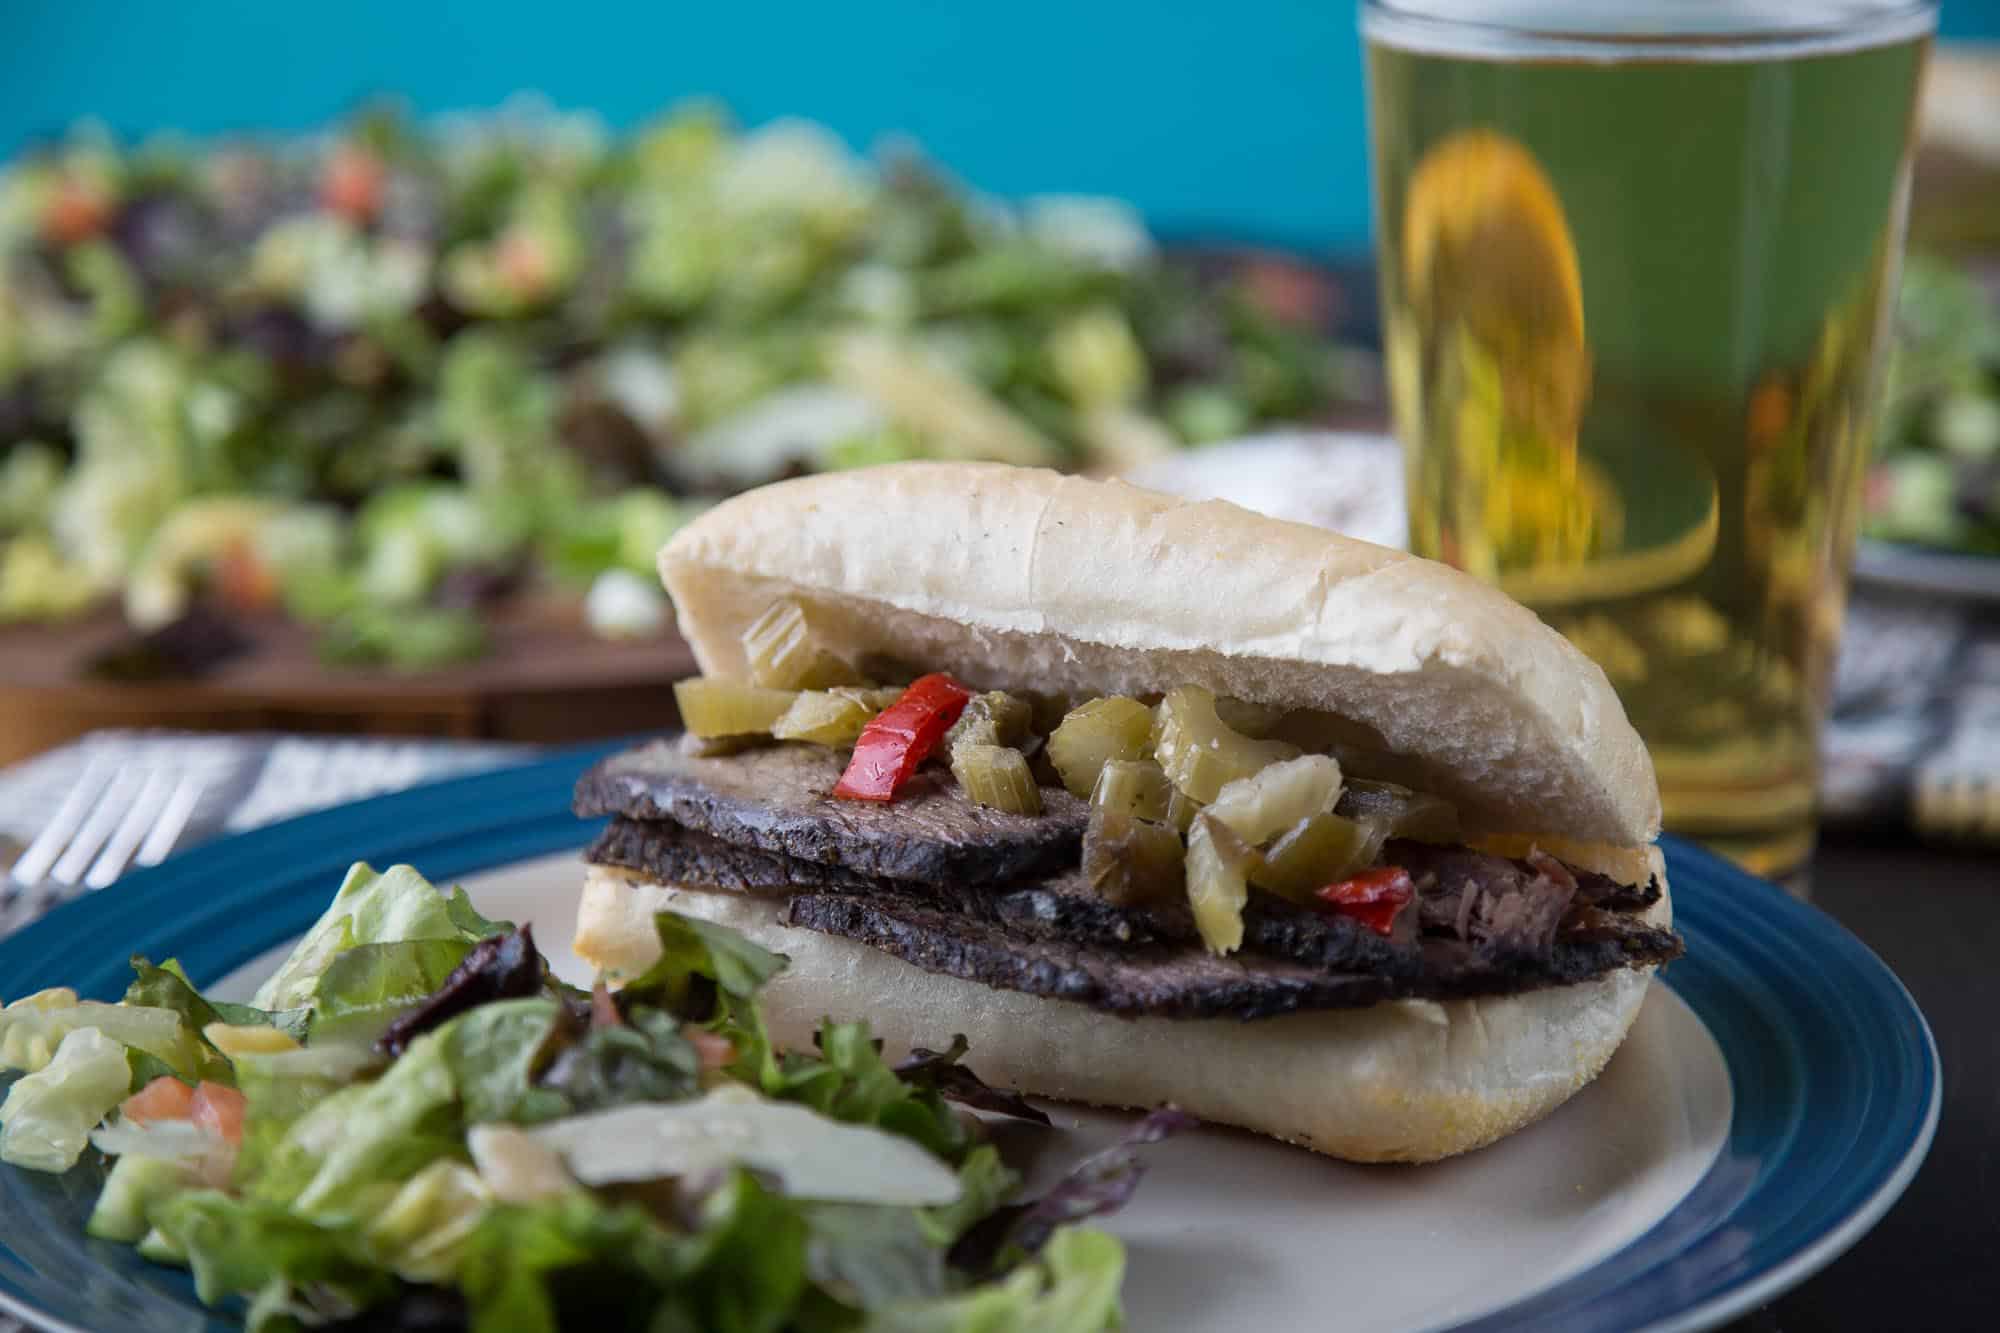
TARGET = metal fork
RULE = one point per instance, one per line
(116, 816)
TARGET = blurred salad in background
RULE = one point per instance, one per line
(378, 378)
(1936, 477)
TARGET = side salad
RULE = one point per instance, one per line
(387, 373)
(414, 1124)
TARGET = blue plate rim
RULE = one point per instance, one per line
(465, 825)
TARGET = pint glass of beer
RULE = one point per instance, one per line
(1637, 266)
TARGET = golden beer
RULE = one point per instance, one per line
(1634, 291)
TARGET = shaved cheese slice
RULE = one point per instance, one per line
(811, 1156)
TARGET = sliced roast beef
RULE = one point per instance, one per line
(1185, 980)
(998, 898)
(775, 799)
(676, 855)
(1057, 907)
(1167, 981)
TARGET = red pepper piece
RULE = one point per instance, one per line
(900, 737)
(1372, 897)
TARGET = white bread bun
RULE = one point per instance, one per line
(1027, 579)
(1397, 1082)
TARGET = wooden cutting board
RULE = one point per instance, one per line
(547, 679)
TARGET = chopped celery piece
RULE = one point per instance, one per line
(1218, 865)
(1096, 734)
(1319, 850)
(1200, 753)
(823, 717)
(1128, 860)
(785, 653)
(1136, 787)
(711, 706)
(992, 718)
(1272, 800)
(997, 777)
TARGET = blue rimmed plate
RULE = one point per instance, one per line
(1776, 1096)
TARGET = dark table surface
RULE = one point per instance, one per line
(1933, 914)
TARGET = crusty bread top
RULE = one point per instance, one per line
(1028, 579)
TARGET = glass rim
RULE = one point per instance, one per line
(1414, 25)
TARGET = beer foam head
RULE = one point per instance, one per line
(1644, 29)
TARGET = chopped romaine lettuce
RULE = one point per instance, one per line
(422, 1231)
(365, 988)
(1072, 1287)
(646, 1160)
(45, 1122)
(371, 908)
(244, 1245)
(742, 1266)
(134, 1187)
(365, 1136)
(31, 1030)
(495, 1054)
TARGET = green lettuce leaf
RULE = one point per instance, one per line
(245, 1245)
(281, 1086)
(848, 1080)
(32, 1028)
(493, 1052)
(370, 908)
(1072, 1287)
(870, 1257)
(692, 948)
(46, 1120)
(367, 987)
(579, 1262)
(986, 1183)
(365, 1135)
(710, 972)
(167, 987)
(644, 1060)
(422, 1230)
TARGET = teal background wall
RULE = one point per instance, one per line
(1220, 118)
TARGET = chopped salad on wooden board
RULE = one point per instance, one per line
(414, 1125)
(377, 377)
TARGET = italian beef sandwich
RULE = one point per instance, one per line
(1154, 801)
